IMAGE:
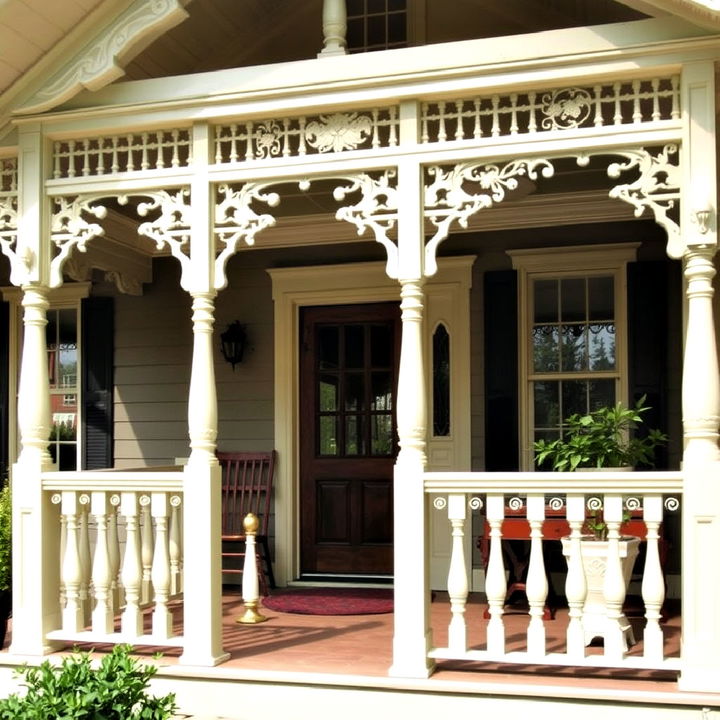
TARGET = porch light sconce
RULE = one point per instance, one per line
(232, 343)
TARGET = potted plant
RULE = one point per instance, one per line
(601, 440)
(114, 689)
(5, 559)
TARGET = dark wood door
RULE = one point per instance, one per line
(348, 373)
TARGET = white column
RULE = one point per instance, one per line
(334, 25)
(701, 471)
(412, 634)
(201, 485)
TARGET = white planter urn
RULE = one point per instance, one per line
(594, 555)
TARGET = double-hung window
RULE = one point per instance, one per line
(572, 344)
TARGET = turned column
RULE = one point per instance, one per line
(334, 25)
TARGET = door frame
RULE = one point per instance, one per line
(353, 283)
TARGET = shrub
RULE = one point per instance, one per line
(5, 538)
(75, 690)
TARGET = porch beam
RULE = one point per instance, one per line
(700, 388)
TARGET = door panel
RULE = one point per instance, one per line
(348, 445)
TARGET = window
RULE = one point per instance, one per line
(376, 25)
(572, 335)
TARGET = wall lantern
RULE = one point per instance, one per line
(232, 343)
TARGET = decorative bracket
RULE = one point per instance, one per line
(236, 220)
(447, 198)
(657, 188)
(377, 210)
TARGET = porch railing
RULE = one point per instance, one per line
(120, 558)
(644, 496)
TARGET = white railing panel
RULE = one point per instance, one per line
(535, 498)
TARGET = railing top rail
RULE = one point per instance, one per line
(623, 482)
(149, 480)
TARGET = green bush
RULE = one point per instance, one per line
(75, 690)
(5, 538)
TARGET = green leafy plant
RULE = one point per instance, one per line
(5, 538)
(603, 438)
(76, 690)
(596, 526)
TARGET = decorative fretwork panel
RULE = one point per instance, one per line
(307, 135)
(569, 108)
(121, 153)
(8, 203)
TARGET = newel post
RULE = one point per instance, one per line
(412, 634)
(201, 519)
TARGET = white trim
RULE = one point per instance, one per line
(557, 262)
(352, 283)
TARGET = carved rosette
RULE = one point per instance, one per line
(656, 188)
(448, 200)
(236, 220)
(377, 210)
(566, 109)
(69, 229)
(338, 132)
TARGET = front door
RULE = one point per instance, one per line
(348, 372)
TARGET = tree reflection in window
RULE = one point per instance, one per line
(441, 382)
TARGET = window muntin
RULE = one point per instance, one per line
(376, 25)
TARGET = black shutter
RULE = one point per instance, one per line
(654, 337)
(4, 389)
(501, 371)
(97, 382)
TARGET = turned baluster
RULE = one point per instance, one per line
(147, 550)
(575, 584)
(85, 566)
(175, 545)
(71, 571)
(102, 614)
(614, 582)
(162, 618)
(495, 583)
(132, 621)
(653, 582)
(457, 576)
(114, 554)
(536, 585)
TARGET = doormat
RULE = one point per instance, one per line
(331, 601)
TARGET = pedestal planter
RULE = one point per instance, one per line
(594, 555)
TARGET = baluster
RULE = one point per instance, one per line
(86, 158)
(132, 621)
(424, 136)
(85, 594)
(598, 121)
(495, 116)
(442, 135)
(160, 150)
(513, 114)
(614, 583)
(575, 584)
(656, 99)
(459, 131)
(617, 117)
(100, 169)
(115, 161)
(536, 585)
(63, 547)
(495, 582)
(302, 148)
(250, 585)
(56, 161)
(653, 582)
(675, 83)
(477, 129)
(71, 570)
(162, 617)
(637, 114)
(532, 106)
(71, 158)
(175, 158)
(147, 550)
(249, 135)
(175, 545)
(375, 127)
(286, 138)
(393, 139)
(102, 615)
(130, 166)
(114, 554)
(457, 575)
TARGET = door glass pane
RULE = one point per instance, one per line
(547, 404)
(572, 299)
(545, 298)
(382, 435)
(381, 391)
(327, 347)
(602, 346)
(354, 346)
(381, 346)
(51, 338)
(574, 348)
(441, 382)
(354, 392)
(328, 435)
(354, 435)
(328, 393)
(546, 348)
(601, 298)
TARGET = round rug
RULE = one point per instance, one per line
(331, 601)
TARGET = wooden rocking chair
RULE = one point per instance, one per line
(247, 479)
